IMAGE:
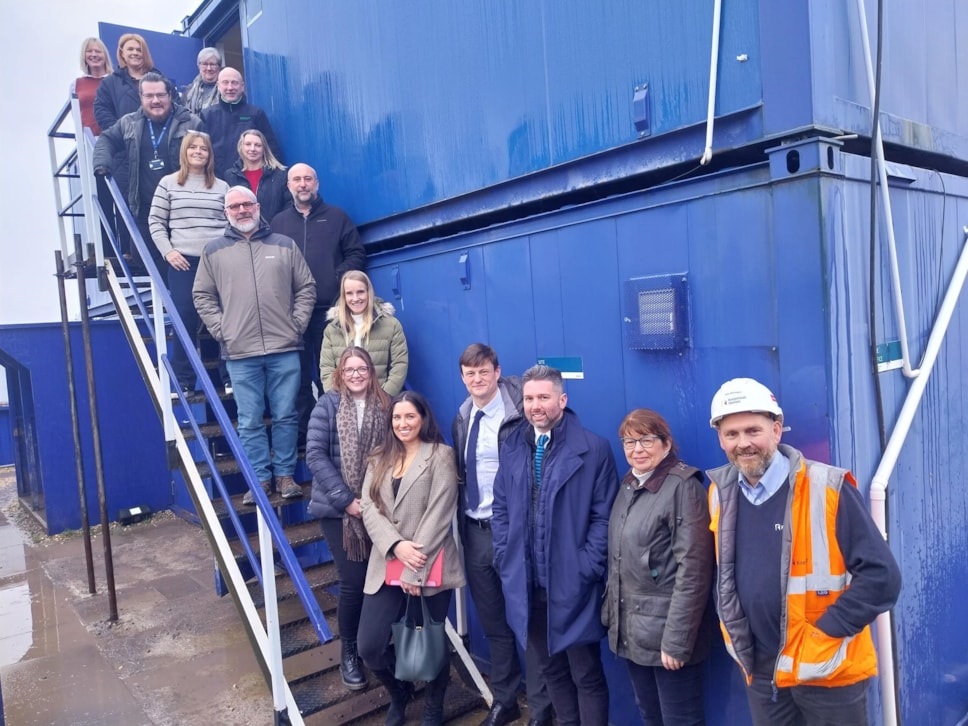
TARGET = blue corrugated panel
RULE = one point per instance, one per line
(402, 106)
(777, 266)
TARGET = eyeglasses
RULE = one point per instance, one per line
(153, 96)
(209, 65)
(240, 205)
(361, 372)
(647, 442)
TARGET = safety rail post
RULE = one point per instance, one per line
(85, 170)
(95, 430)
(75, 422)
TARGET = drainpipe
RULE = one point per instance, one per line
(877, 149)
(889, 460)
(707, 153)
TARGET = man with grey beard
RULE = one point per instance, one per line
(802, 569)
(255, 293)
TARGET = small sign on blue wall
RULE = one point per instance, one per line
(570, 366)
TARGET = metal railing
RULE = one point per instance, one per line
(158, 375)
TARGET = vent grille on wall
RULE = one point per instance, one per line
(656, 312)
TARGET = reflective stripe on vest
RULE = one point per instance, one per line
(817, 577)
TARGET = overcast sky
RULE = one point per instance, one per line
(43, 38)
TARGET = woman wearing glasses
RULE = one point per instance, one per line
(359, 318)
(660, 560)
(346, 425)
(202, 92)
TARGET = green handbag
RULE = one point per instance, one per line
(421, 650)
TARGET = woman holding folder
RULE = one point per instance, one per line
(408, 504)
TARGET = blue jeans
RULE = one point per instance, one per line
(275, 377)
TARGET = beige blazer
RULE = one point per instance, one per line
(422, 512)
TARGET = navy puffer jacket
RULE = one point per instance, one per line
(330, 495)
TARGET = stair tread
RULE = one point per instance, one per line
(298, 535)
(326, 700)
(318, 577)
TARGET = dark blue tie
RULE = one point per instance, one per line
(473, 489)
(539, 453)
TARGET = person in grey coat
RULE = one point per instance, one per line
(255, 293)
(658, 608)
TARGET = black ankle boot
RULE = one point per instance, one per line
(434, 698)
(350, 668)
(400, 694)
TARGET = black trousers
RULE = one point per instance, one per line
(352, 575)
(575, 678)
(669, 698)
(380, 611)
(309, 369)
(485, 586)
(807, 705)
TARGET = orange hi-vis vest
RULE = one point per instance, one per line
(816, 577)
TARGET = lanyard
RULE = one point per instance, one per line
(155, 143)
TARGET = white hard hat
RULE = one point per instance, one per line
(743, 395)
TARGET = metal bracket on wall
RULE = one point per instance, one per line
(464, 264)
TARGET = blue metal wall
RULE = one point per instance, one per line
(6, 436)
(777, 270)
(403, 105)
(452, 110)
(132, 442)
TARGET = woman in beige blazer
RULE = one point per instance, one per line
(408, 505)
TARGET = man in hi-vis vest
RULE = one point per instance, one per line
(802, 569)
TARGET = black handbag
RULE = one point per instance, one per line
(421, 650)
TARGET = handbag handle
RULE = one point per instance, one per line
(424, 611)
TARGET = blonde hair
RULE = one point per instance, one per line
(145, 53)
(268, 158)
(343, 314)
(191, 136)
(108, 67)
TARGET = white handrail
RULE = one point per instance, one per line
(707, 153)
(889, 460)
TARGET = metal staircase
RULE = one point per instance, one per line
(271, 558)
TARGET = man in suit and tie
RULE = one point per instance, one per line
(552, 498)
(483, 422)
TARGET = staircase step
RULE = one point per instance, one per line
(318, 577)
(221, 509)
(300, 635)
(298, 535)
(324, 700)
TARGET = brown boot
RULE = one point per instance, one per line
(288, 488)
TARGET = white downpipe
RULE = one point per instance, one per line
(707, 153)
(877, 149)
(889, 460)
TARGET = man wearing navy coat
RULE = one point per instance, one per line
(552, 497)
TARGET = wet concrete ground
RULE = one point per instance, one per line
(177, 656)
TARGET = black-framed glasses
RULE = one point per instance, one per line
(152, 96)
(362, 372)
(647, 442)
